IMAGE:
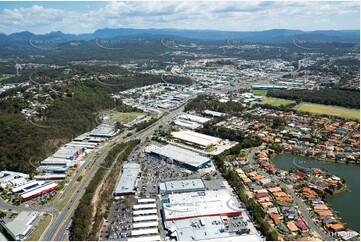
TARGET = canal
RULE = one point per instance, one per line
(346, 203)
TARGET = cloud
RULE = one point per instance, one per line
(250, 15)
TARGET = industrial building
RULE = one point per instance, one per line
(186, 124)
(69, 152)
(214, 113)
(176, 186)
(55, 162)
(193, 118)
(38, 191)
(179, 156)
(52, 169)
(104, 131)
(6, 177)
(199, 204)
(268, 87)
(127, 184)
(50, 177)
(194, 138)
(21, 226)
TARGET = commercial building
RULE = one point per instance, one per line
(127, 184)
(21, 226)
(50, 177)
(203, 228)
(179, 156)
(26, 187)
(193, 118)
(7, 176)
(200, 204)
(55, 162)
(38, 191)
(52, 169)
(194, 138)
(186, 124)
(176, 186)
(104, 131)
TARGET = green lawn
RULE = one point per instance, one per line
(260, 92)
(276, 101)
(347, 113)
(5, 76)
(35, 236)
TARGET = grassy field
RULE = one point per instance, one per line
(35, 236)
(5, 76)
(342, 112)
(260, 92)
(276, 101)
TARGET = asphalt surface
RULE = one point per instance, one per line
(58, 228)
(301, 205)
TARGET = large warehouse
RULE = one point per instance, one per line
(127, 184)
(200, 204)
(181, 157)
(21, 226)
(191, 137)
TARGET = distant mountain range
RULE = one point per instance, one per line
(270, 36)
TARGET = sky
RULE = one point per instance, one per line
(86, 17)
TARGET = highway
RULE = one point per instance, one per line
(57, 229)
(301, 205)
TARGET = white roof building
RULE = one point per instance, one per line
(180, 156)
(186, 185)
(194, 118)
(144, 212)
(20, 227)
(145, 218)
(145, 224)
(199, 204)
(128, 180)
(144, 206)
(196, 138)
(144, 232)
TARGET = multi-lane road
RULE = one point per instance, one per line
(301, 205)
(58, 228)
(61, 220)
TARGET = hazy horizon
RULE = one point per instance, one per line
(86, 17)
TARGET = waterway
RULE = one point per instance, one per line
(346, 203)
